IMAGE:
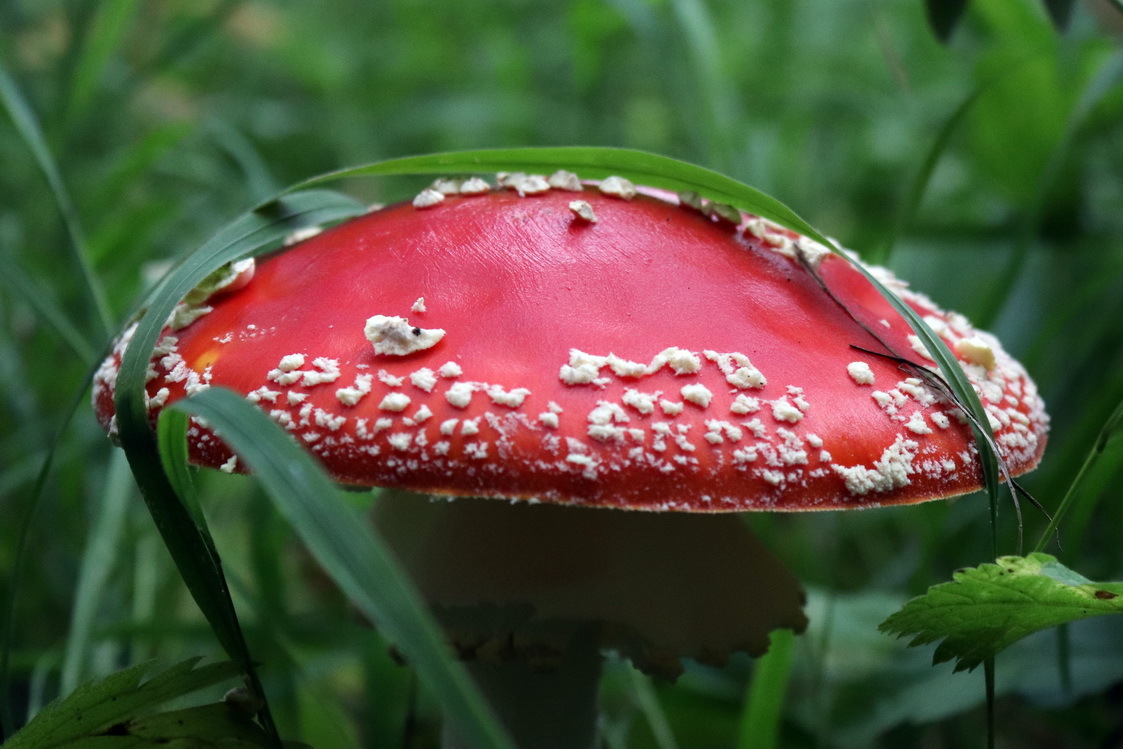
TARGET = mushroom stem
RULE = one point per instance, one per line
(530, 594)
(545, 709)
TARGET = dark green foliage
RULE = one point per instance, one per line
(944, 16)
(132, 132)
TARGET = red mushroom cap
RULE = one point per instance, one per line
(592, 348)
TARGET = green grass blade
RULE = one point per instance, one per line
(348, 549)
(104, 34)
(182, 530)
(760, 722)
(589, 162)
(1111, 427)
(965, 395)
(20, 557)
(259, 180)
(99, 561)
(918, 185)
(28, 127)
(648, 702)
(1102, 85)
(47, 309)
(673, 174)
(251, 232)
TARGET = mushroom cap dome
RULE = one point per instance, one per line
(581, 347)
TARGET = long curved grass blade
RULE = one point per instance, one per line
(1103, 83)
(760, 722)
(98, 563)
(673, 174)
(590, 162)
(1111, 428)
(20, 557)
(28, 126)
(47, 309)
(182, 530)
(350, 552)
(250, 233)
(918, 185)
(952, 375)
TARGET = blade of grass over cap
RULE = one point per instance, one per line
(186, 538)
(590, 162)
(672, 174)
(249, 234)
(965, 396)
(350, 552)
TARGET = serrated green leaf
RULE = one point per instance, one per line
(204, 727)
(96, 706)
(986, 608)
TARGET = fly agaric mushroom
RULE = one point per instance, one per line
(592, 345)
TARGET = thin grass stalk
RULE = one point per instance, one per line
(28, 127)
(1107, 432)
(1102, 83)
(99, 561)
(764, 708)
(20, 554)
(648, 701)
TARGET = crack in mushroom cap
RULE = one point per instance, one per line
(659, 358)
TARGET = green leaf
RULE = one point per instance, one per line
(98, 705)
(987, 608)
(204, 727)
(349, 551)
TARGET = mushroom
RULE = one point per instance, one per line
(553, 343)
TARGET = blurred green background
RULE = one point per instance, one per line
(986, 171)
